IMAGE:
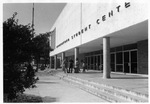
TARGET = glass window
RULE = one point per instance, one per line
(133, 56)
(95, 59)
(112, 56)
(89, 62)
(112, 67)
(126, 68)
(134, 68)
(126, 56)
(119, 58)
(91, 59)
(101, 59)
(98, 60)
(119, 68)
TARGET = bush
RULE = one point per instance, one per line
(16, 81)
(17, 48)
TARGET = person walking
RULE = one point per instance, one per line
(83, 66)
(64, 66)
(101, 67)
(77, 66)
(70, 65)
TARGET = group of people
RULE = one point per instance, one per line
(70, 66)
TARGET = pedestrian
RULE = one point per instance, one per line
(64, 64)
(70, 65)
(101, 67)
(83, 66)
(67, 66)
(76, 67)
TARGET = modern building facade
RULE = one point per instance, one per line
(113, 34)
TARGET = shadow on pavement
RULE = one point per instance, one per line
(27, 98)
(129, 78)
(44, 82)
(49, 99)
(88, 72)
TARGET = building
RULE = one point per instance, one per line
(113, 34)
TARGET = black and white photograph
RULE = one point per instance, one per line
(82, 51)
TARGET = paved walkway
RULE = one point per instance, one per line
(133, 82)
(52, 89)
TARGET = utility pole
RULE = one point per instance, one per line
(33, 20)
(32, 29)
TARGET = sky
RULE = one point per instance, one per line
(45, 14)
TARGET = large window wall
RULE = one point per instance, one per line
(123, 59)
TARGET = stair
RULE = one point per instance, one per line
(106, 92)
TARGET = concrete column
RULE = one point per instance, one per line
(62, 56)
(50, 62)
(55, 63)
(76, 54)
(106, 57)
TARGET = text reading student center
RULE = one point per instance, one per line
(113, 34)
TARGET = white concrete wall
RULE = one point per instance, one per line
(135, 13)
(77, 16)
(66, 25)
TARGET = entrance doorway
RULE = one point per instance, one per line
(130, 61)
(121, 61)
(94, 61)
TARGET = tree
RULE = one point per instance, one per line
(41, 47)
(17, 41)
(17, 48)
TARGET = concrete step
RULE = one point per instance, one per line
(123, 93)
(95, 92)
(107, 92)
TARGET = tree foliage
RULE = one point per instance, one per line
(41, 47)
(16, 41)
(17, 48)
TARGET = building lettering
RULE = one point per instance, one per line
(111, 13)
(98, 21)
(127, 4)
(103, 17)
(81, 31)
(63, 43)
(118, 8)
(85, 29)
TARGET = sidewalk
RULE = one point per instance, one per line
(133, 82)
(52, 89)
